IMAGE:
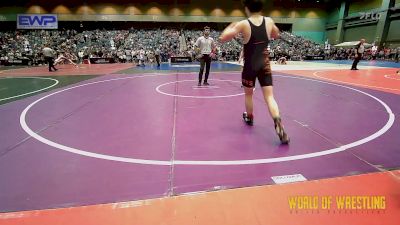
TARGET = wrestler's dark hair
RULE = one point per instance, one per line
(253, 5)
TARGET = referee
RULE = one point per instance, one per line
(49, 57)
(358, 54)
(205, 46)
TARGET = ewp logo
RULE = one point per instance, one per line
(43, 21)
(36, 20)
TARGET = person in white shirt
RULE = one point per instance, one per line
(205, 47)
(48, 54)
(358, 54)
(80, 55)
(141, 57)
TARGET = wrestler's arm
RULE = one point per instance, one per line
(231, 31)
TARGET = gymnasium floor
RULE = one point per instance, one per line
(120, 144)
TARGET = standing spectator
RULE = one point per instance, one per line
(374, 51)
(141, 57)
(157, 55)
(80, 56)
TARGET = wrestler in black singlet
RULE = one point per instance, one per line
(256, 58)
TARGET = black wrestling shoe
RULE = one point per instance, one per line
(206, 83)
(280, 131)
(199, 84)
(248, 119)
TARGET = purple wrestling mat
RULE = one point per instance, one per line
(118, 138)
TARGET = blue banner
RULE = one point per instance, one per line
(37, 21)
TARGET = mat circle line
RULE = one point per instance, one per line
(375, 135)
(361, 85)
(193, 96)
(388, 77)
(32, 92)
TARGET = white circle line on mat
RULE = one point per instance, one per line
(32, 92)
(384, 129)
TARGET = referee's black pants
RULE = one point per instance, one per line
(356, 60)
(205, 60)
(50, 61)
(158, 60)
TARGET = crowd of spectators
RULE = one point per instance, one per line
(373, 53)
(126, 45)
